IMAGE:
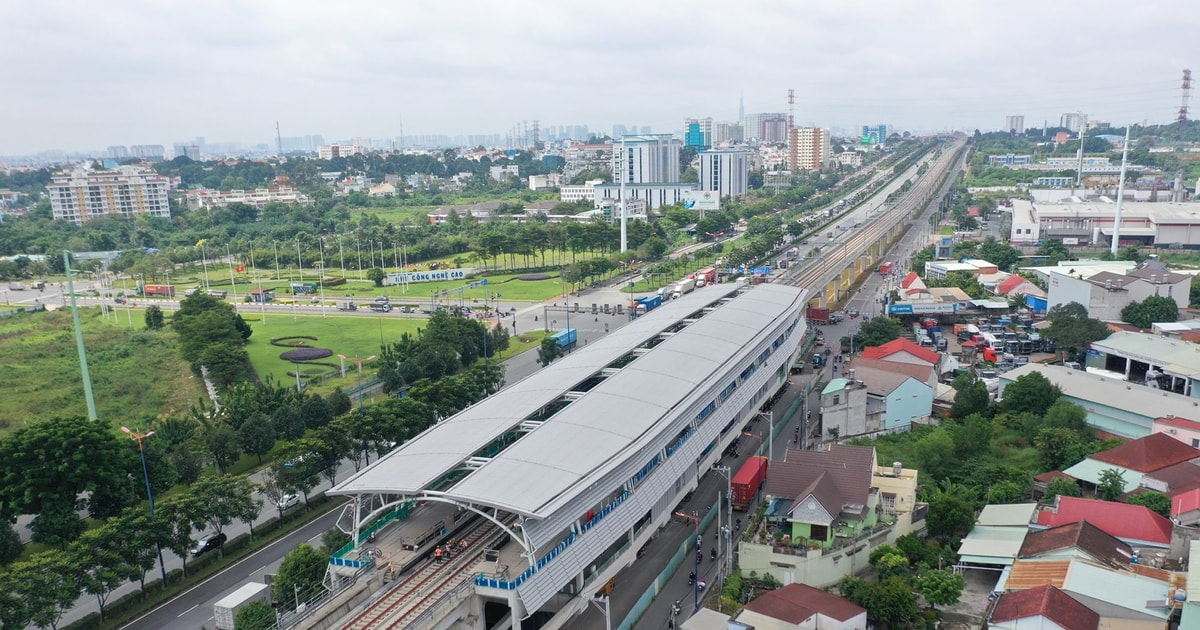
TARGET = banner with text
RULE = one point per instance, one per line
(427, 276)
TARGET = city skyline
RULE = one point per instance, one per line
(228, 71)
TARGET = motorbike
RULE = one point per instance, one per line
(691, 578)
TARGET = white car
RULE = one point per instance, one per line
(288, 501)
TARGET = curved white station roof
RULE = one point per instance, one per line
(549, 465)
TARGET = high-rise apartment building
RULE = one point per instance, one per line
(1074, 121)
(724, 132)
(148, 151)
(81, 195)
(1015, 124)
(118, 152)
(770, 128)
(648, 159)
(725, 172)
(879, 132)
(330, 151)
(809, 148)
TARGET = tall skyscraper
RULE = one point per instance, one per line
(809, 148)
(1015, 124)
(769, 128)
(728, 132)
(649, 159)
(81, 194)
(118, 152)
(1073, 121)
(725, 172)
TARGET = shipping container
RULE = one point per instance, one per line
(747, 482)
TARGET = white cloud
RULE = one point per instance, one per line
(87, 75)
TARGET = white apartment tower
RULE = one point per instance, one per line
(809, 148)
(81, 195)
(1074, 121)
(1015, 124)
(646, 159)
(725, 172)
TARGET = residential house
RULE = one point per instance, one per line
(802, 606)
(998, 534)
(1182, 429)
(902, 351)
(830, 508)
(1105, 294)
(1134, 459)
(1019, 285)
(1134, 525)
(1041, 607)
(1135, 599)
(912, 284)
(1078, 540)
(844, 410)
(382, 190)
(898, 393)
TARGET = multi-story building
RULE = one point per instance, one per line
(878, 132)
(1015, 124)
(769, 128)
(204, 199)
(698, 132)
(330, 151)
(1074, 121)
(571, 194)
(725, 132)
(725, 172)
(82, 195)
(148, 151)
(656, 195)
(809, 148)
(118, 152)
(648, 159)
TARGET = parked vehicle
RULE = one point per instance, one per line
(683, 288)
(708, 275)
(885, 268)
(208, 543)
(645, 304)
(748, 480)
(288, 501)
(817, 315)
(16, 286)
(164, 290)
(225, 610)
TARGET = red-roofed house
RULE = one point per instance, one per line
(912, 284)
(1135, 459)
(803, 606)
(1185, 507)
(1014, 285)
(902, 351)
(1134, 525)
(1182, 429)
(1042, 607)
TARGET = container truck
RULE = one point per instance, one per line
(164, 290)
(225, 610)
(707, 275)
(645, 304)
(683, 288)
(818, 315)
(747, 481)
(885, 268)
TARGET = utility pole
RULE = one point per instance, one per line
(1116, 235)
(83, 364)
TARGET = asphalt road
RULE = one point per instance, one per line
(193, 608)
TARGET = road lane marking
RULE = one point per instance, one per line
(187, 611)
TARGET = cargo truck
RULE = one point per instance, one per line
(747, 481)
(708, 275)
(683, 288)
(164, 290)
(885, 268)
(645, 304)
(225, 610)
(381, 307)
(817, 315)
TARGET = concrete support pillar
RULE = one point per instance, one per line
(517, 608)
(1128, 367)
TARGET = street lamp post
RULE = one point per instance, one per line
(728, 474)
(149, 493)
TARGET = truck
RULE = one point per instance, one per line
(818, 315)
(683, 288)
(16, 286)
(381, 307)
(747, 482)
(164, 290)
(645, 304)
(885, 268)
(708, 275)
(347, 305)
(225, 610)
(565, 338)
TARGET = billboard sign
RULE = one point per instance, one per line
(917, 308)
(427, 276)
(702, 200)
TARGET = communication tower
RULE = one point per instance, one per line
(1185, 90)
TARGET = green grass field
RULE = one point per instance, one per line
(352, 336)
(135, 373)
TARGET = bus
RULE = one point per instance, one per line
(885, 268)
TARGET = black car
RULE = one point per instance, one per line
(208, 543)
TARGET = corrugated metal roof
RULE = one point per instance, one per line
(1010, 514)
(581, 442)
(1033, 573)
(1138, 400)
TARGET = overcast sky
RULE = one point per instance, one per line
(84, 75)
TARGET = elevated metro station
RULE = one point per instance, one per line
(572, 469)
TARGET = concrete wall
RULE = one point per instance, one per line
(818, 567)
(912, 399)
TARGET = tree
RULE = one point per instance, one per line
(56, 525)
(999, 254)
(178, 513)
(225, 447)
(376, 275)
(1066, 414)
(218, 500)
(1054, 251)
(1112, 484)
(1007, 491)
(332, 540)
(271, 488)
(892, 602)
(941, 587)
(98, 562)
(972, 435)
(257, 437)
(878, 331)
(971, 396)
(49, 584)
(300, 575)
(951, 511)
(1152, 310)
(548, 351)
(254, 616)
(1156, 501)
(935, 453)
(154, 317)
(10, 544)
(1071, 328)
(1061, 486)
(1032, 393)
(1059, 448)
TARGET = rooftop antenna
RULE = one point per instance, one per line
(1116, 237)
(1185, 90)
(278, 140)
